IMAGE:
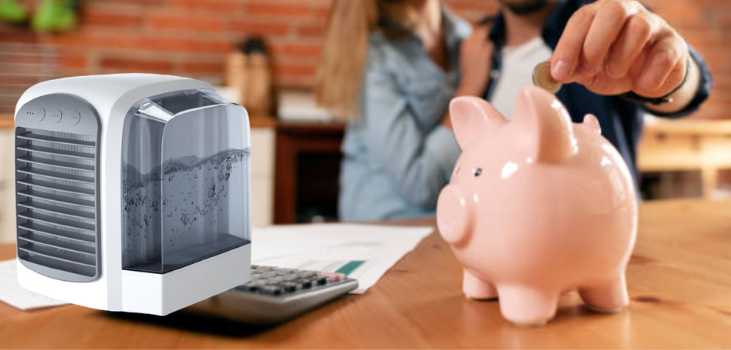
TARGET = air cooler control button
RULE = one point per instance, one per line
(72, 118)
(41, 114)
(56, 116)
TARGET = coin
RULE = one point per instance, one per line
(543, 79)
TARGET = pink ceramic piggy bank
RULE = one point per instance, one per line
(537, 206)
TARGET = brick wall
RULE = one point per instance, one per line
(191, 37)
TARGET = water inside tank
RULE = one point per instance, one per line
(185, 188)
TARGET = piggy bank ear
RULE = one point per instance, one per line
(546, 129)
(472, 116)
(592, 123)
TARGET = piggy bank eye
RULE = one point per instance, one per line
(477, 172)
(456, 171)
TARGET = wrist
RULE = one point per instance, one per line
(668, 97)
(470, 90)
(681, 97)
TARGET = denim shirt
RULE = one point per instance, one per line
(397, 156)
(621, 120)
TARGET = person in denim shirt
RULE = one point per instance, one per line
(399, 149)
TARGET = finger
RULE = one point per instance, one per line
(635, 35)
(568, 50)
(639, 62)
(604, 31)
(665, 54)
(674, 79)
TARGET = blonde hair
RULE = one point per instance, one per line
(350, 23)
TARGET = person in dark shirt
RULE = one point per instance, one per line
(616, 59)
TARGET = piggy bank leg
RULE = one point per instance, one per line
(610, 296)
(476, 288)
(527, 306)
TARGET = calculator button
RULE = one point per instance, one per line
(290, 287)
(272, 290)
(335, 277)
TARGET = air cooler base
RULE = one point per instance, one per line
(148, 293)
(162, 294)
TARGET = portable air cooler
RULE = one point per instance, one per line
(132, 192)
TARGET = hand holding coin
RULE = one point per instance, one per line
(543, 79)
(615, 46)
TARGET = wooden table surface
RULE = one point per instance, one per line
(679, 281)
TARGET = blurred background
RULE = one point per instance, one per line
(263, 54)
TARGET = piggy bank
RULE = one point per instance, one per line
(537, 206)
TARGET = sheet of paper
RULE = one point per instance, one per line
(362, 252)
(12, 293)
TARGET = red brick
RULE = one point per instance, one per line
(136, 65)
(95, 17)
(18, 69)
(22, 80)
(183, 22)
(208, 5)
(184, 45)
(280, 10)
(72, 61)
(10, 56)
(145, 3)
(260, 27)
(204, 67)
(485, 7)
(317, 30)
(321, 14)
(18, 37)
(320, 3)
(85, 39)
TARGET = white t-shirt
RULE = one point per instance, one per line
(516, 72)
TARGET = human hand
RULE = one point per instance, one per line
(475, 62)
(616, 46)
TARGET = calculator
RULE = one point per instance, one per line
(275, 295)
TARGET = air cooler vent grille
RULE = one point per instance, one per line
(57, 203)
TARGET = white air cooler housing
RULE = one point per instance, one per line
(132, 192)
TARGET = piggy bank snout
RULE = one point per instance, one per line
(454, 215)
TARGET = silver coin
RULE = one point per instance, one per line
(543, 79)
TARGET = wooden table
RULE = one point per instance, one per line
(679, 280)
